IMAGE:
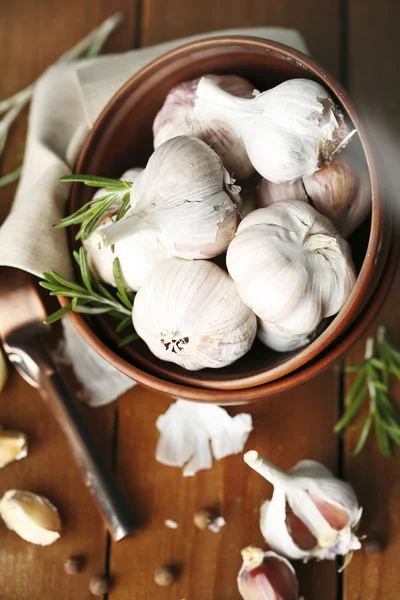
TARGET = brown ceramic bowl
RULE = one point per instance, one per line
(122, 138)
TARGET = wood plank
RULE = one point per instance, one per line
(291, 427)
(33, 35)
(373, 83)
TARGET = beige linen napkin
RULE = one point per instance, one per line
(66, 102)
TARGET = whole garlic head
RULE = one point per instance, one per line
(279, 339)
(340, 191)
(266, 576)
(312, 514)
(185, 194)
(290, 265)
(189, 313)
(137, 255)
(32, 517)
(177, 117)
(289, 131)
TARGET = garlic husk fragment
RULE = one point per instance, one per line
(32, 517)
(312, 514)
(183, 194)
(177, 117)
(13, 446)
(137, 255)
(189, 313)
(280, 340)
(289, 131)
(266, 576)
(3, 370)
(290, 265)
(340, 191)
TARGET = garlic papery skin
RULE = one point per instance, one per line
(32, 517)
(183, 194)
(312, 514)
(137, 255)
(189, 313)
(341, 192)
(279, 339)
(3, 370)
(289, 131)
(266, 576)
(13, 446)
(290, 265)
(177, 117)
(268, 193)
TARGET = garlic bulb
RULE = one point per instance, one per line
(280, 340)
(32, 517)
(266, 576)
(339, 191)
(183, 194)
(189, 313)
(13, 446)
(177, 117)
(289, 131)
(290, 266)
(311, 514)
(137, 255)
(3, 370)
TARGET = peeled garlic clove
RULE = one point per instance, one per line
(184, 195)
(342, 193)
(13, 446)
(266, 576)
(189, 313)
(279, 339)
(32, 517)
(289, 131)
(290, 265)
(3, 371)
(177, 117)
(137, 255)
(268, 193)
(312, 514)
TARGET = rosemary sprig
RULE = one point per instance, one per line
(116, 197)
(91, 296)
(372, 385)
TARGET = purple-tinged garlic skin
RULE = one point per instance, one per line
(176, 117)
(266, 576)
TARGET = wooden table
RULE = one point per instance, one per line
(356, 40)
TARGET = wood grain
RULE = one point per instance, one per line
(374, 65)
(33, 34)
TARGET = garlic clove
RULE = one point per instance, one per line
(268, 193)
(13, 446)
(266, 576)
(290, 265)
(184, 182)
(279, 339)
(289, 131)
(3, 370)
(189, 313)
(131, 174)
(312, 514)
(177, 117)
(32, 517)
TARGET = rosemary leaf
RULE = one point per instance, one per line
(123, 296)
(95, 181)
(123, 324)
(383, 441)
(59, 314)
(356, 387)
(352, 411)
(128, 339)
(364, 435)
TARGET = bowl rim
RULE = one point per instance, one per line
(376, 245)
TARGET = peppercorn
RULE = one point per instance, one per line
(373, 545)
(203, 518)
(164, 575)
(99, 586)
(73, 565)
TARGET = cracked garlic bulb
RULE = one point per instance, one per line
(266, 576)
(189, 313)
(290, 265)
(185, 195)
(289, 131)
(177, 117)
(340, 191)
(279, 339)
(32, 517)
(312, 514)
(137, 255)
